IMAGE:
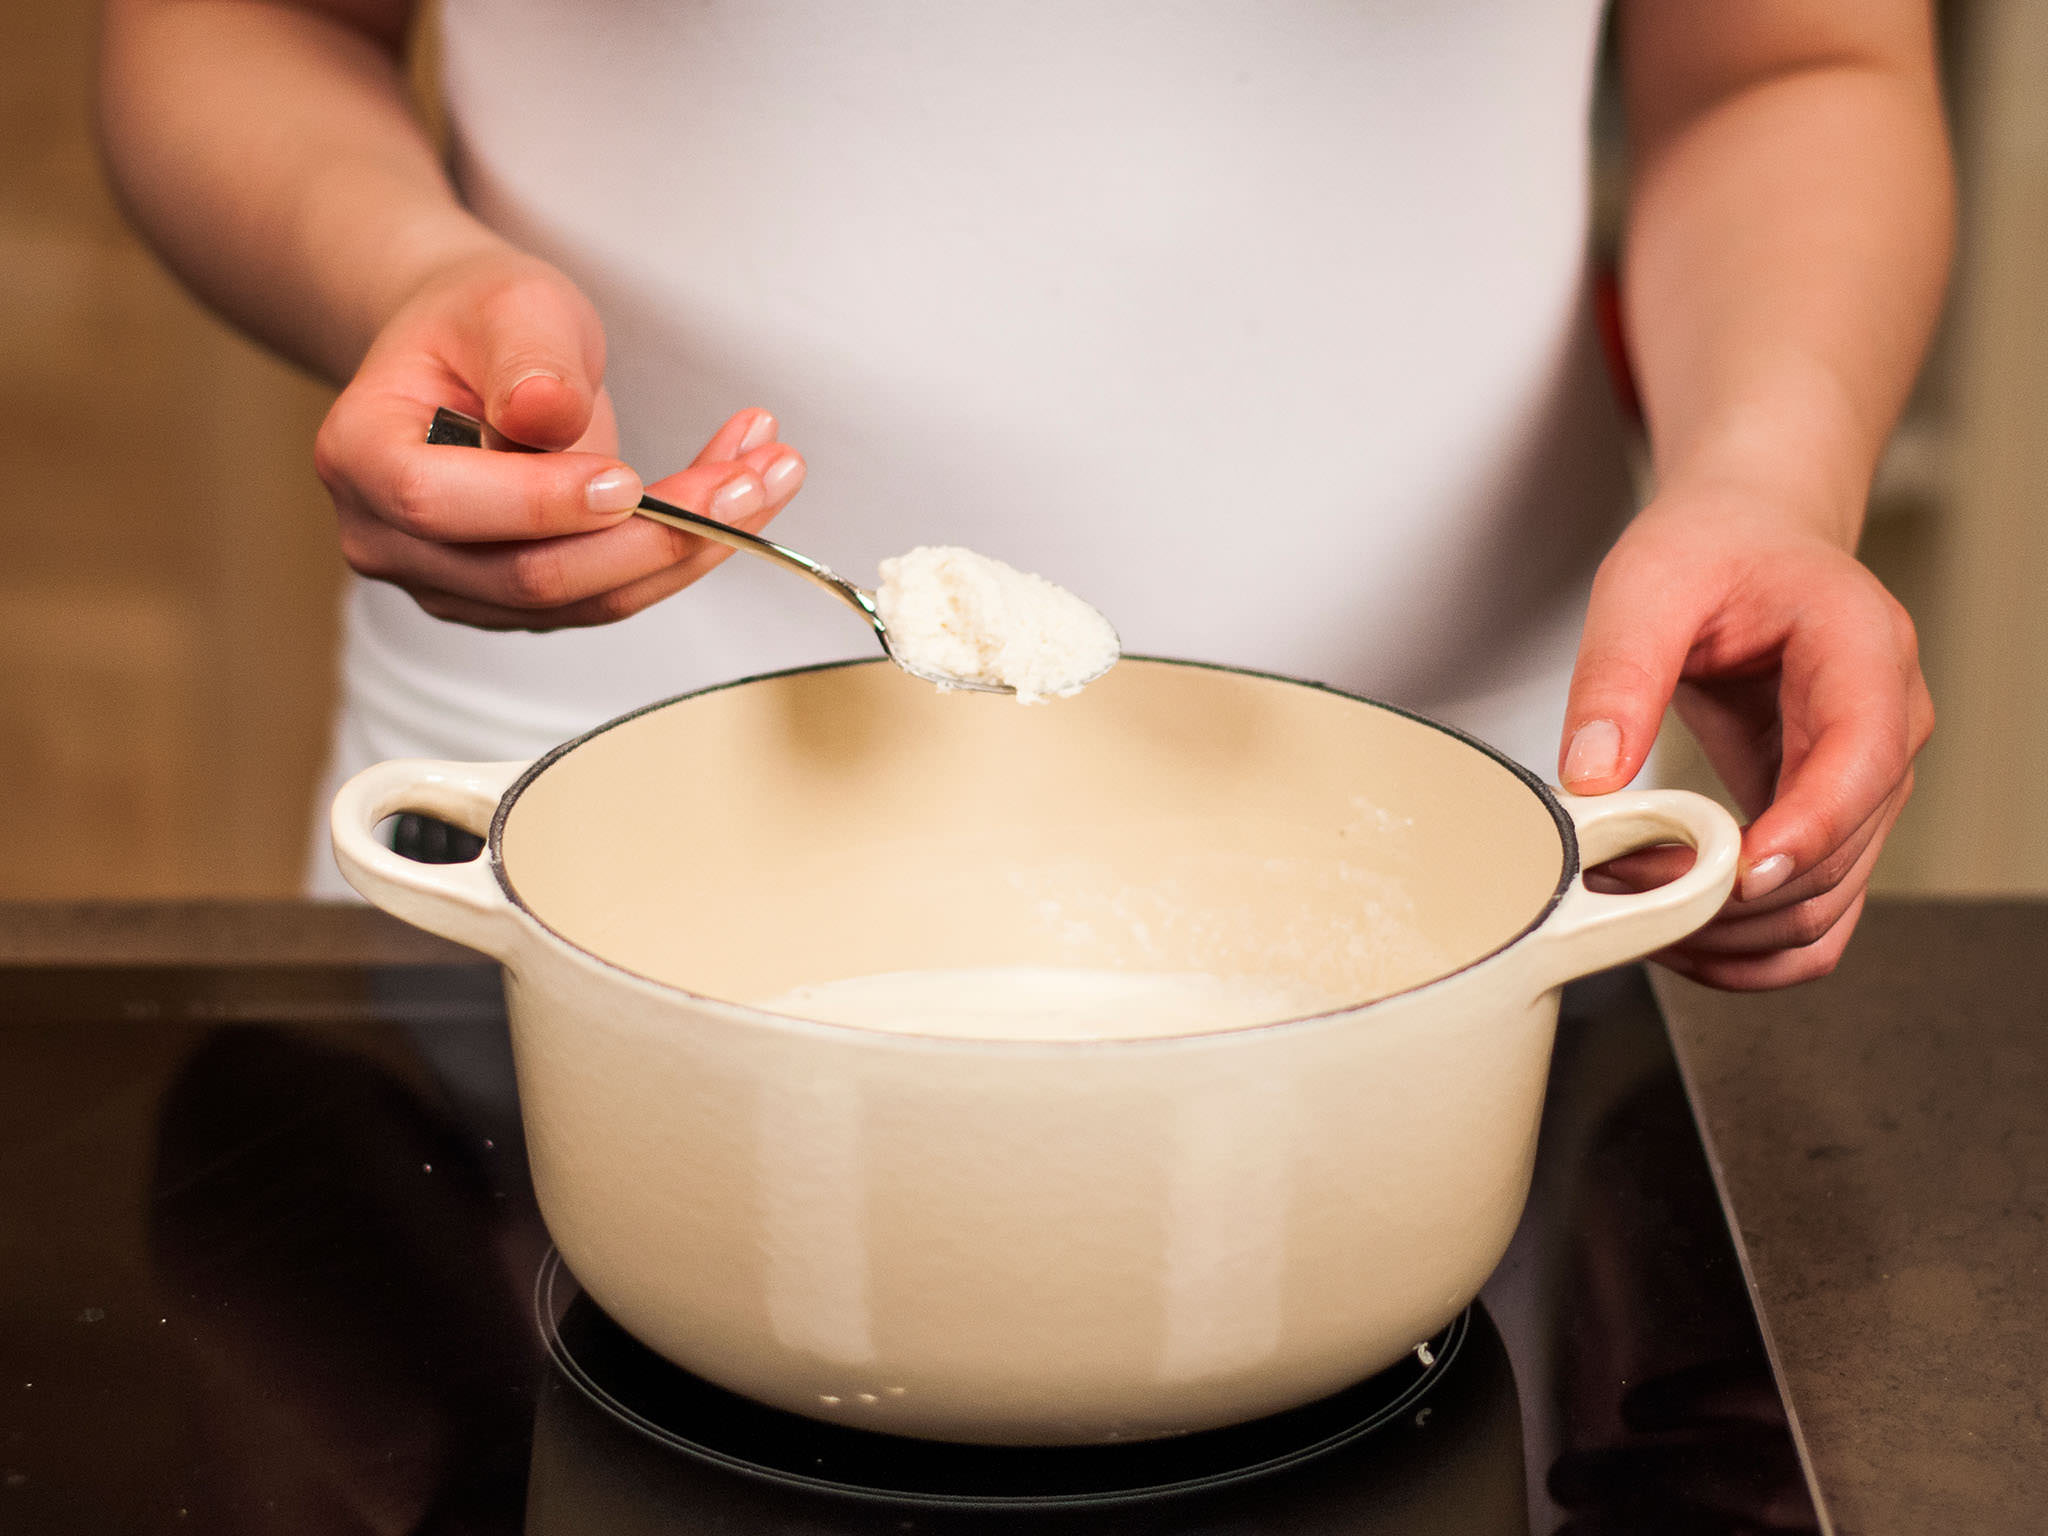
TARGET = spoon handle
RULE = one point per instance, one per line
(451, 428)
(653, 507)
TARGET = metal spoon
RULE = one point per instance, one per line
(452, 428)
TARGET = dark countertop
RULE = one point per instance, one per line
(1881, 1137)
(214, 933)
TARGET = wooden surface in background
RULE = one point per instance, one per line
(168, 574)
(1983, 811)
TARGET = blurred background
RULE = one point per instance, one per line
(168, 572)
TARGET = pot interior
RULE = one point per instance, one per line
(850, 820)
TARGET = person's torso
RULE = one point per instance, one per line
(1261, 325)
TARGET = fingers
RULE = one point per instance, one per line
(1643, 870)
(1640, 625)
(1795, 933)
(1795, 917)
(1799, 931)
(1745, 928)
(1838, 865)
(533, 541)
(1777, 968)
(580, 579)
(1735, 723)
(778, 472)
(743, 431)
(1855, 713)
(513, 340)
(374, 456)
(531, 346)
(779, 475)
(1800, 677)
(526, 540)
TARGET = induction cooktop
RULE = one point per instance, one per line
(270, 1262)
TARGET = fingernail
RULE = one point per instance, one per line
(1765, 876)
(615, 490)
(1595, 752)
(783, 477)
(736, 498)
(762, 431)
(531, 373)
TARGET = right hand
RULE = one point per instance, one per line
(515, 540)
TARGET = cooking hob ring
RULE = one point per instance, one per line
(690, 1415)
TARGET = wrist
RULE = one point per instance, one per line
(382, 247)
(1763, 498)
(1798, 449)
(428, 254)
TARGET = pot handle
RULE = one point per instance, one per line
(457, 901)
(1590, 931)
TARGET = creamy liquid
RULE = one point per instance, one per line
(1051, 1003)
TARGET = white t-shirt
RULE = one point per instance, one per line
(1263, 325)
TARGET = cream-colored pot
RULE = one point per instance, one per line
(1026, 1242)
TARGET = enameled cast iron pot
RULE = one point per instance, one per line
(1021, 1242)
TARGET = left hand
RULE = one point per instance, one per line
(1798, 673)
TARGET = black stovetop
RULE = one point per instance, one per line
(269, 1262)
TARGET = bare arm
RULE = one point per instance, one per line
(1788, 237)
(270, 154)
(1787, 243)
(267, 149)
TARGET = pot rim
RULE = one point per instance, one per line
(1561, 819)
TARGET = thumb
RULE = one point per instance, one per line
(535, 354)
(1640, 625)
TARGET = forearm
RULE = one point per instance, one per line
(1787, 243)
(270, 155)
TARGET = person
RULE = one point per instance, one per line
(1266, 327)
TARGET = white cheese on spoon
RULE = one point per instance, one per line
(953, 613)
